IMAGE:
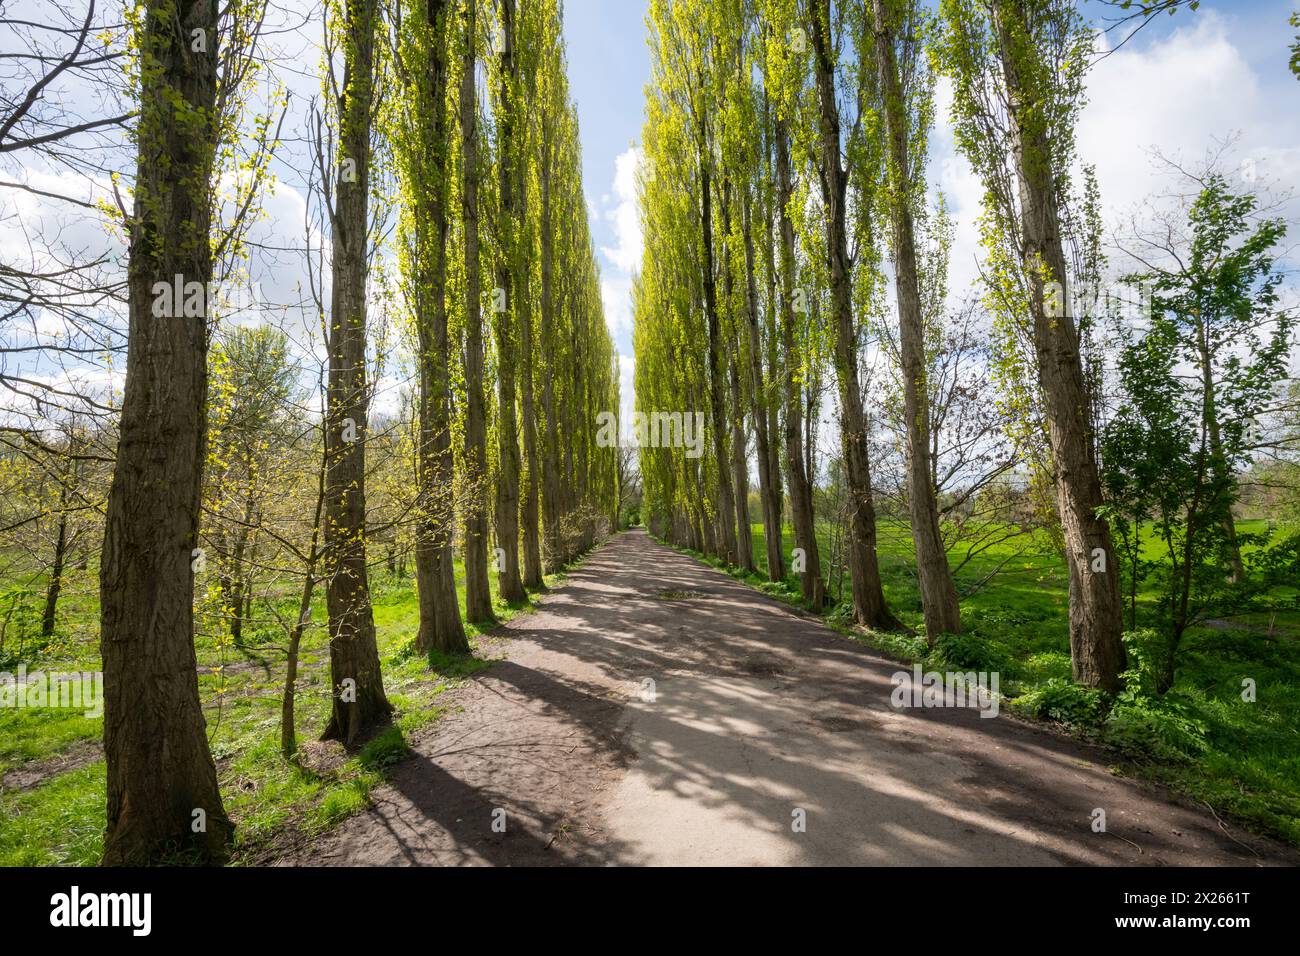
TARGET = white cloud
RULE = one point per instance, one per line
(622, 261)
(623, 217)
(961, 187)
(616, 295)
(1178, 94)
(627, 392)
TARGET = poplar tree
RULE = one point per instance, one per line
(478, 597)
(423, 140)
(1017, 69)
(898, 28)
(358, 685)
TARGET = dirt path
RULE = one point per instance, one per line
(756, 713)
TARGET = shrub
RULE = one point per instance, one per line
(1144, 722)
(1158, 729)
(968, 652)
(1147, 650)
(1063, 700)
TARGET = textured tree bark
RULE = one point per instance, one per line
(1096, 618)
(758, 406)
(869, 607)
(529, 513)
(740, 473)
(359, 699)
(568, 415)
(705, 528)
(478, 595)
(801, 506)
(162, 789)
(939, 603)
(584, 472)
(441, 627)
(510, 585)
(718, 421)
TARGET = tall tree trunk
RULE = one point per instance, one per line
(1096, 618)
(758, 405)
(528, 407)
(162, 783)
(551, 503)
(726, 506)
(939, 602)
(775, 370)
(529, 511)
(739, 460)
(359, 700)
(509, 584)
(574, 451)
(478, 595)
(441, 627)
(801, 504)
(869, 607)
(775, 361)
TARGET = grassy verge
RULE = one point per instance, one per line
(59, 820)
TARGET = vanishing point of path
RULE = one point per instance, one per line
(756, 712)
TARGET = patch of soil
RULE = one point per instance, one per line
(836, 724)
(36, 773)
(761, 666)
(321, 757)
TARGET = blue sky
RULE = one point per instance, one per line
(1182, 81)
(609, 65)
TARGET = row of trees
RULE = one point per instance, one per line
(802, 127)
(446, 247)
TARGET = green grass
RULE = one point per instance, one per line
(60, 822)
(1245, 758)
(61, 819)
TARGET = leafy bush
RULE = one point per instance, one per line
(907, 647)
(841, 615)
(1159, 729)
(1063, 700)
(783, 589)
(968, 652)
(1147, 650)
(1144, 722)
(20, 640)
